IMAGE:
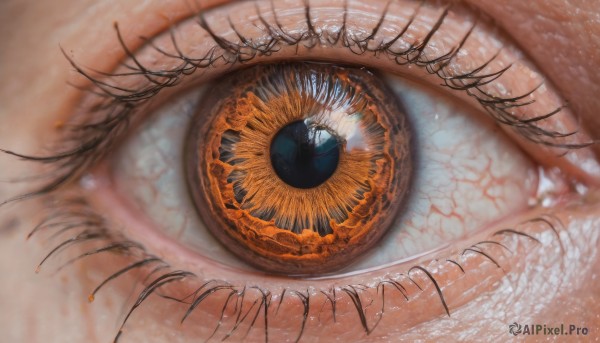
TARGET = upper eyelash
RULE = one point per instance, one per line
(117, 105)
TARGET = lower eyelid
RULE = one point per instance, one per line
(462, 275)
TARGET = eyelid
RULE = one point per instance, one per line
(518, 246)
(189, 35)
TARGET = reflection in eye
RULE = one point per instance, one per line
(420, 40)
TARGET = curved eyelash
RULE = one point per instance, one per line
(67, 223)
(117, 105)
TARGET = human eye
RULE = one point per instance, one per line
(114, 140)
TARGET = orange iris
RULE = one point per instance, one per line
(299, 168)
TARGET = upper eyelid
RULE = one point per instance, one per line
(236, 50)
(161, 78)
(111, 105)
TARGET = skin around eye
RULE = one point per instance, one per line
(562, 287)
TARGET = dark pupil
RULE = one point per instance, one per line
(304, 156)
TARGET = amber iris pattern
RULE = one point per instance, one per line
(299, 168)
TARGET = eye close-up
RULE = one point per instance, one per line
(299, 171)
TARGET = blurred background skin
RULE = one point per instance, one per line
(561, 36)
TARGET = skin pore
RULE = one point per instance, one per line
(539, 285)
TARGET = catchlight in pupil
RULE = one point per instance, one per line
(304, 155)
(299, 168)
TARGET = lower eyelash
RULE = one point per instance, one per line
(74, 224)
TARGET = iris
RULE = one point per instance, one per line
(299, 168)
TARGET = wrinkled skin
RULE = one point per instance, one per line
(562, 37)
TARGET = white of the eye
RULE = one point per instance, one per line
(150, 168)
(468, 175)
(458, 153)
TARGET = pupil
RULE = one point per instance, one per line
(304, 156)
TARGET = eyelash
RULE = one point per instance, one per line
(118, 109)
(118, 106)
(72, 214)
